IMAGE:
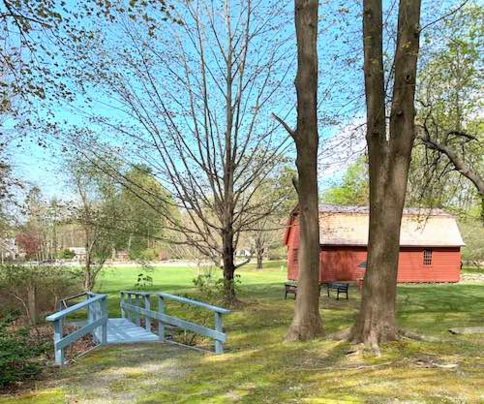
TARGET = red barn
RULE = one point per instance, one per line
(430, 244)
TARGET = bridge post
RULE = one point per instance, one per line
(59, 352)
(122, 301)
(161, 310)
(136, 315)
(90, 317)
(104, 327)
(130, 313)
(219, 348)
(147, 318)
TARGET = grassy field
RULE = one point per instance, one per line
(260, 368)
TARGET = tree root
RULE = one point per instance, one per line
(371, 345)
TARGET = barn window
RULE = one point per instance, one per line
(295, 256)
(427, 257)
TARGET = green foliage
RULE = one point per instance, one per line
(212, 288)
(195, 315)
(354, 189)
(473, 235)
(144, 204)
(449, 106)
(22, 357)
(67, 254)
(144, 280)
(46, 284)
(277, 253)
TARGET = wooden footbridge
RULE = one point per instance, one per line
(138, 323)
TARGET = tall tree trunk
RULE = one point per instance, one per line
(32, 304)
(260, 258)
(307, 323)
(228, 265)
(389, 160)
(88, 278)
(259, 250)
(88, 271)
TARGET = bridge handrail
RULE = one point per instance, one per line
(97, 324)
(63, 313)
(216, 334)
(181, 299)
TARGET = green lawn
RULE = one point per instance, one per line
(260, 368)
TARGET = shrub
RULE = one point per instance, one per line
(21, 357)
(473, 251)
(67, 254)
(20, 287)
(144, 280)
(211, 287)
(193, 314)
(278, 253)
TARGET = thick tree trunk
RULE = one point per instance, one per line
(88, 279)
(229, 266)
(307, 322)
(389, 160)
(260, 258)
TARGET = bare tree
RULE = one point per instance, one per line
(306, 323)
(389, 156)
(194, 102)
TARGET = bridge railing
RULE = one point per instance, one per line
(131, 306)
(97, 320)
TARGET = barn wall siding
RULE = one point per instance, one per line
(340, 263)
(293, 243)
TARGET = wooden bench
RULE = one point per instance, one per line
(290, 288)
(339, 287)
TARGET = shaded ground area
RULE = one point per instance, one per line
(259, 368)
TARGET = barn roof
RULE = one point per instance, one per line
(348, 225)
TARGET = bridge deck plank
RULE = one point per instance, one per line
(123, 331)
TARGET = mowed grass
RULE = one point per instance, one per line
(259, 368)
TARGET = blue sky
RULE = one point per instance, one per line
(340, 35)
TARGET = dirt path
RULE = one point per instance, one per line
(113, 375)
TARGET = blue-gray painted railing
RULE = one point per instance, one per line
(97, 320)
(130, 310)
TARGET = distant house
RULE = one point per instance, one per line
(122, 255)
(80, 253)
(430, 244)
(9, 249)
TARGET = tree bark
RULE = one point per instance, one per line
(259, 250)
(260, 258)
(389, 160)
(229, 266)
(307, 322)
(32, 304)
